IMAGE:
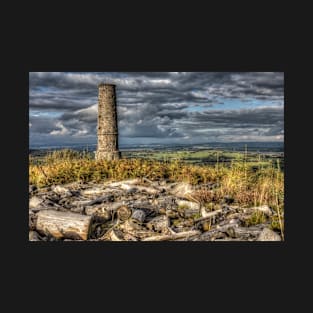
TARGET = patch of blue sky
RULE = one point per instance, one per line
(233, 104)
(196, 108)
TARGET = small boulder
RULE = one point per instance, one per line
(35, 202)
(268, 235)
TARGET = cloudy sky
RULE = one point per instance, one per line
(158, 107)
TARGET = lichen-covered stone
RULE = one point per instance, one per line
(107, 124)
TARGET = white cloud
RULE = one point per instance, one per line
(160, 105)
(61, 132)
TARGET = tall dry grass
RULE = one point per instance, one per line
(239, 181)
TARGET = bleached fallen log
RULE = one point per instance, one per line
(207, 215)
(63, 224)
(183, 190)
(80, 202)
(124, 182)
(131, 187)
(159, 223)
(173, 236)
(189, 204)
(92, 191)
(106, 198)
(139, 216)
(262, 208)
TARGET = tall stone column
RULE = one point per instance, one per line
(107, 124)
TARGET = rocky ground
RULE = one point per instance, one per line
(139, 210)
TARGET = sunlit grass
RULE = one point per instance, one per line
(247, 185)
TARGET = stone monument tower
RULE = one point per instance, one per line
(107, 124)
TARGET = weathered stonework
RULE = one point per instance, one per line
(107, 124)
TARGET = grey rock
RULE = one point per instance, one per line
(139, 215)
(268, 235)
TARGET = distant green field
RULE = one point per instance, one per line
(252, 159)
(199, 157)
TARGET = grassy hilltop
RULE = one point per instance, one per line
(249, 180)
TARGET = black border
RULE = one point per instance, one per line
(244, 266)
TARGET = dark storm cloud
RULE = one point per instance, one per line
(160, 105)
(248, 117)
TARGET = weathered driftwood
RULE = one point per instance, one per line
(118, 235)
(139, 216)
(32, 219)
(129, 237)
(132, 226)
(115, 235)
(159, 223)
(78, 209)
(143, 209)
(124, 213)
(106, 198)
(61, 190)
(207, 215)
(80, 202)
(173, 236)
(183, 190)
(172, 213)
(263, 208)
(63, 224)
(150, 190)
(93, 191)
(219, 232)
(188, 204)
(246, 233)
(99, 213)
(188, 208)
(33, 236)
(139, 188)
(155, 184)
(134, 229)
(114, 206)
(134, 181)
(35, 202)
